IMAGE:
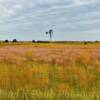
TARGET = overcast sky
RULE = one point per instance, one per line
(70, 19)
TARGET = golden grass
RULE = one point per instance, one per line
(60, 68)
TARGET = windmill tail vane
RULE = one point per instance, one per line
(46, 33)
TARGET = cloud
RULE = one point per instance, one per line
(36, 16)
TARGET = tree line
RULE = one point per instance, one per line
(49, 33)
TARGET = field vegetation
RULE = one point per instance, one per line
(49, 71)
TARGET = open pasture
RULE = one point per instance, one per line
(42, 71)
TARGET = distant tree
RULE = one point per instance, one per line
(39, 41)
(14, 40)
(33, 41)
(50, 33)
(96, 41)
(85, 42)
(6, 41)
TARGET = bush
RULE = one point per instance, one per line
(42, 41)
(96, 41)
(85, 42)
(14, 40)
(6, 41)
(33, 41)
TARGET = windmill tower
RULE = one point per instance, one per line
(50, 33)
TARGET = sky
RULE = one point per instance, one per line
(69, 19)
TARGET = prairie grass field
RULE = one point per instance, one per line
(49, 71)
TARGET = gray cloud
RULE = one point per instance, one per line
(35, 16)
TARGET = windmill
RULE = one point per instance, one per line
(50, 33)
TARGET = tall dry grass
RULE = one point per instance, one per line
(54, 71)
